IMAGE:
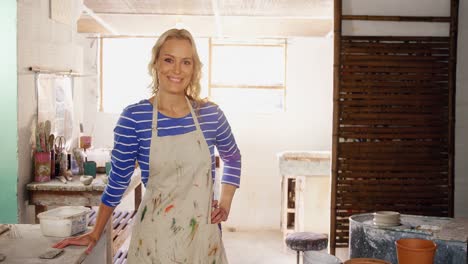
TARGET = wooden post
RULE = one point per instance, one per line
(39, 209)
(336, 87)
(451, 100)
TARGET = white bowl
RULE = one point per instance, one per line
(86, 179)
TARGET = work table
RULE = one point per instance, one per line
(57, 193)
(98, 184)
(305, 163)
(368, 240)
(75, 193)
(23, 244)
(74, 185)
(304, 176)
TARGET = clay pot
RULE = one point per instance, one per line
(366, 261)
(415, 250)
(387, 218)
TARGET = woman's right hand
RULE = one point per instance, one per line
(88, 239)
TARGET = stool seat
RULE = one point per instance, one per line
(305, 241)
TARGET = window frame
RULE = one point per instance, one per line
(101, 93)
(282, 42)
(256, 43)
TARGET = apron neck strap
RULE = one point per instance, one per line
(156, 111)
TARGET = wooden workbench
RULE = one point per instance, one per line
(56, 193)
(23, 244)
(74, 193)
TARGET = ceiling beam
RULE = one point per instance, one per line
(232, 26)
(219, 29)
(98, 19)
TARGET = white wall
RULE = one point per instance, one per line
(461, 125)
(305, 125)
(307, 122)
(97, 124)
(45, 43)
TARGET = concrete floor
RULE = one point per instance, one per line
(250, 247)
(258, 247)
(255, 247)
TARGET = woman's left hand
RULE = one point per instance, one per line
(219, 213)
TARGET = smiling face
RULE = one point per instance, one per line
(175, 66)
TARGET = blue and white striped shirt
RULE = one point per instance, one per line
(132, 138)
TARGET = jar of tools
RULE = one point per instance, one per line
(61, 163)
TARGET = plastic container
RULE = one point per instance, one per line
(415, 250)
(64, 221)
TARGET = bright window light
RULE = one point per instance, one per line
(248, 65)
(125, 74)
(245, 100)
(253, 74)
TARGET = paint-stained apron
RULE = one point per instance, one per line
(173, 223)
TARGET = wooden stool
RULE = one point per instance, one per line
(305, 241)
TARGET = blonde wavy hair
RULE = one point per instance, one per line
(193, 89)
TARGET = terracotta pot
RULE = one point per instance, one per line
(366, 261)
(85, 142)
(415, 250)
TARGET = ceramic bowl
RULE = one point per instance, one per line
(86, 179)
(386, 218)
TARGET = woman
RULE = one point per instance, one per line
(176, 221)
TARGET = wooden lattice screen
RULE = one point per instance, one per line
(393, 124)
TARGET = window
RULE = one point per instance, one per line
(248, 74)
(125, 77)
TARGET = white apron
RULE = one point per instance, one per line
(173, 223)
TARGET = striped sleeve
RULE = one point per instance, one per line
(228, 151)
(123, 158)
